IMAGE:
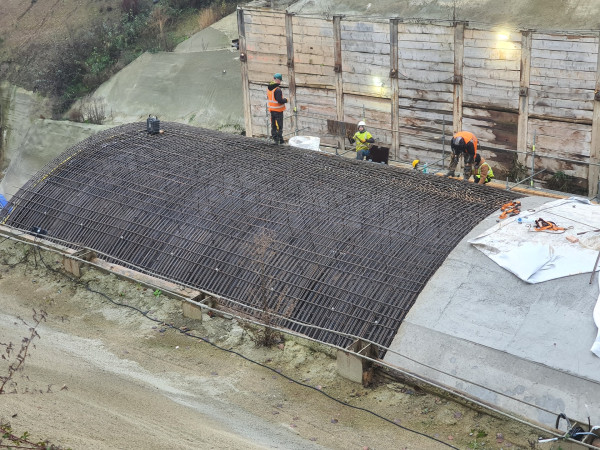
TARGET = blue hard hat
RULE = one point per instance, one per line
(278, 76)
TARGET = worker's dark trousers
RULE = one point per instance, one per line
(468, 164)
(277, 126)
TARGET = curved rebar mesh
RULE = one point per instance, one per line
(340, 244)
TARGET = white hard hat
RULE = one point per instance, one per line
(362, 123)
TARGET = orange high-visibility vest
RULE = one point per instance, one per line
(273, 104)
(468, 137)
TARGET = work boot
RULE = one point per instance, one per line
(450, 173)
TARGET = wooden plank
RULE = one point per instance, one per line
(407, 29)
(272, 58)
(265, 48)
(578, 105)
(364, 27)
(313, 60)
(365, 59)
(257, 69)
(427, 46)
(409, 66)
(257, 32)
(423, 108)
(370, 103)
(366, 47)
(339, 79)
(508, 103)
(563, 55)
(312, 27)
(305, 38)
(271, 19)
(492, 53)
(368, 74)
(564, 73)
(492, 36)
(395, 88)
(490, 93)
(594, 169)
(568, 46)
(565, 37)
(358, 36)
(559, 113)
(572, 83)
(289, 30)
(422, 92)
(506, 78)
(494, 64)
(522, 132)
(579, 66)
(366, 90)
(568, 143)
(314, 69)
(315, 80)
(432, 56)
(324, 50)
(459, 40)
(244, 72)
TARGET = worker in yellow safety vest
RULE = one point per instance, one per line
(276, 104)
(363, 141)
(482, 171)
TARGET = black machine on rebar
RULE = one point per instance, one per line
(152, 125)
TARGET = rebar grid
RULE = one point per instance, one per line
(341, 244)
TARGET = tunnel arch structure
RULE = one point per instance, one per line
(335, 248)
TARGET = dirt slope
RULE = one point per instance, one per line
(105, 376)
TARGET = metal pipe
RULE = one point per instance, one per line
(522, 181)
(533, 157)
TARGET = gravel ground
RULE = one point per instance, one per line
(103, 375)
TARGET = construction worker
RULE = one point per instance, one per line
(276, 103)
(463, 144)
(363, 140)
(482, 172)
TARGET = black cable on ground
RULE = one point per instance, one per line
(187, 333)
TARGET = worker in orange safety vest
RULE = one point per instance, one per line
(464, 143)
(276, 103)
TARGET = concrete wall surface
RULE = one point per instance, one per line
(522, 347)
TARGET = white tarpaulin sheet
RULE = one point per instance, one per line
(541, 256)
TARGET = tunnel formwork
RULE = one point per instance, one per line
(330, 247)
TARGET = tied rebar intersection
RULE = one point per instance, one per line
(323, 245)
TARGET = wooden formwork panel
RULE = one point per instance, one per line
(493, 128)
(313, 50)
(569, 140)
(421, 129)
(315, 106)
(483, 83)
(563, 76)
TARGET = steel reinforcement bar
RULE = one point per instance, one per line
(322, 240)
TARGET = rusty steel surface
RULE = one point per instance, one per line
(329, 245)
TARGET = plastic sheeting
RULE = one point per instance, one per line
(306, 142)
(536, 256)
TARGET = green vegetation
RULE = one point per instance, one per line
(517, 170)
(74, 66)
